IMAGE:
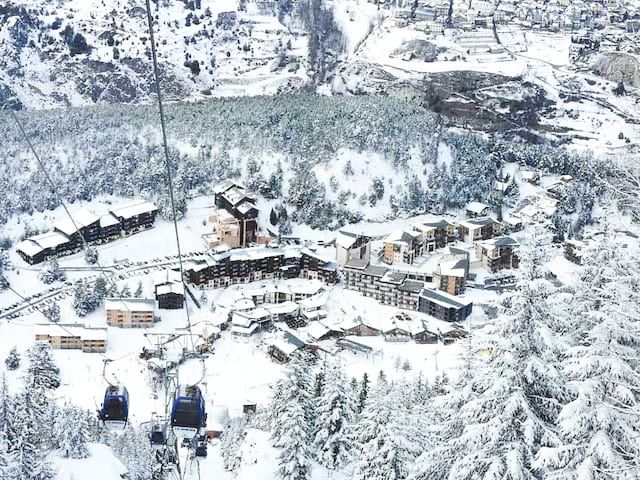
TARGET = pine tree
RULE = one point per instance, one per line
(42, 373)
(231, 443)
(138, 292)
(84, 298)
(599, 426)
(335, 415)
(91, 256)
(100, 289)
(363, 393)
(385, 437)
(125, 292)
(292, 420)
(28, 435)
(13, 359)
(72, 432)
(51, 272)
(52, 313)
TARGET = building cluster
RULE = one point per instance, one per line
(72, 337)
(235, 217)
(257, 307)
(246, 265)
(554, 15)
(68, 236)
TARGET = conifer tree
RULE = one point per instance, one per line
(138, 292)
(42, 373)
(292, 421)
(13, 359)
(599, 427)
(334, 419)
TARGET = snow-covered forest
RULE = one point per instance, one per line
(274, 143)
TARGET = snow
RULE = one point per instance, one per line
(100, 465)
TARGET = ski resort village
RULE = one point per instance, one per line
(320, 240)
(101, 291)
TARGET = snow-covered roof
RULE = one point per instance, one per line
(131, 304)
(305, 288)
(314, 302)
(167, 276)
(314, 314)
(244, 330)
(499, 242)
(170, 288)
(284, 346)
(346, 239)
(282, 308)
(131, 209)
(474, 223)
(70, 330)
(444, 299)
(476, 207)
(316, 330)
(402, 237)
(453, 268)
(82, 218)
(108, 220)
(226, 185)
(245, 207)
(34, 245)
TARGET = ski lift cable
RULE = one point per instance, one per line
(156, 74)
(54, 187)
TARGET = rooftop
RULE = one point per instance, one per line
(476, 207)
(71, 330)
(444, 299)
(134, 208)
(82, 218)
(34, 245)
(473, 223)
(131, 304)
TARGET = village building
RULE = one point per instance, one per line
(352, 246)
(452, 271)
(444, 306)
(169, 290)
(498, 253)
(246, 265)
(135, 216)
(384, 285)
(68, 236)
(236, 217)
(437, 233)
(360, 327)
(85, 225)
(72, 337)
(402, 246)
(131, 312)
(315, 267)
(477, 209)
(479, 228)
(170, 297)
(38, 248)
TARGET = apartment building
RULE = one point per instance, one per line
(479, 228)
(384, 285)
(436, 233)
(444, 306)
(498, 253)
(131, 312)
(234, 198)
(352, 246)
(402, 246)
(73, 337)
